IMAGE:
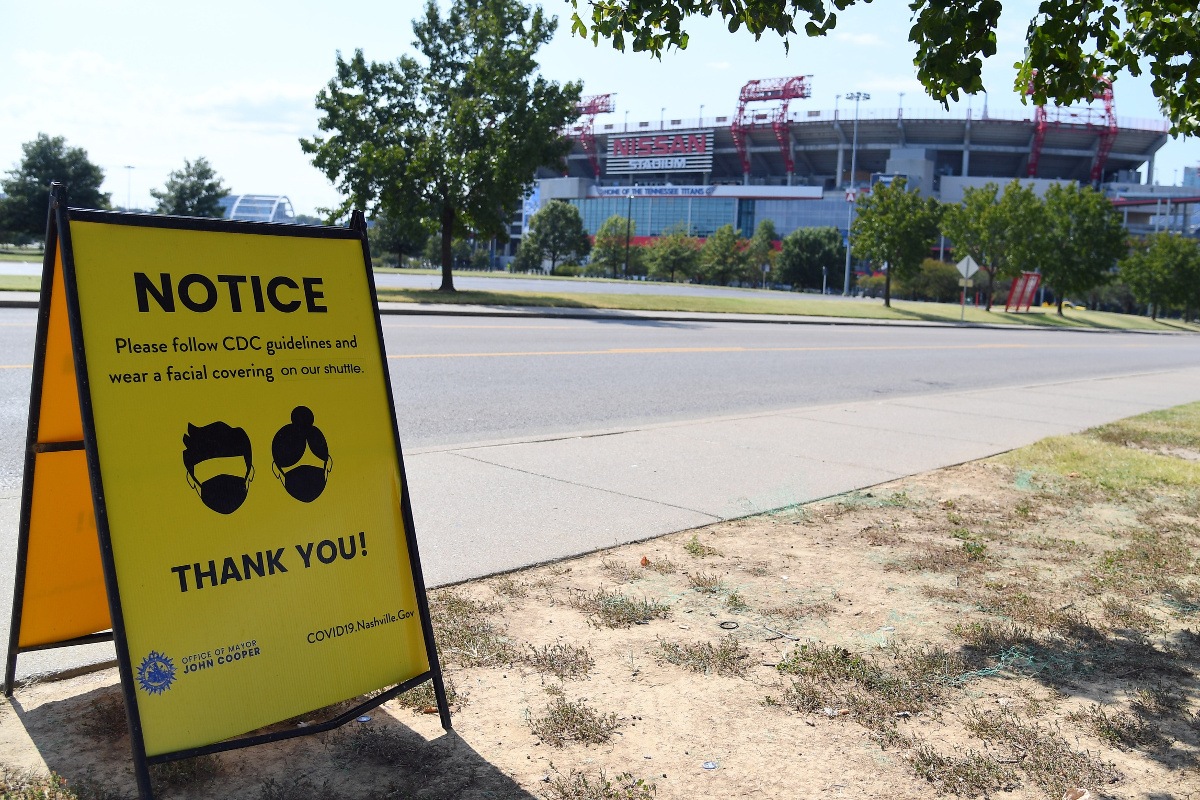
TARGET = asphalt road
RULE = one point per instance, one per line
(702, 421)
(460, 381)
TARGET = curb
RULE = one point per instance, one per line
(30, 300)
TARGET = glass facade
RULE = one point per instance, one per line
(788, 215)
(656, 216)
(701, 216)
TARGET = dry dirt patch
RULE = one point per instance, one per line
(1019, 627)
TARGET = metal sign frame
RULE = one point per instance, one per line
(58, 235)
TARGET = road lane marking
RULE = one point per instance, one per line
(625, 351)
(491, 327)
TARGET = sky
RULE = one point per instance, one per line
(142, 86)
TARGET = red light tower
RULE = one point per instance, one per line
(1089, 118)
(780, 89)
(584, 129)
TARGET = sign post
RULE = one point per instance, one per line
(967, 267)
(214, 478)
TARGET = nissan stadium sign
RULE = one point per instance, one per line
(677, 151)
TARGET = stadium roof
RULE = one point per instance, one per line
(996, 146)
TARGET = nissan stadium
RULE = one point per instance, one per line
(775, 158)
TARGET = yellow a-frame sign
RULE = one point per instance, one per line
(214, 479)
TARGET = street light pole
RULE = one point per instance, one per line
(661, 116)
(700, 122)
(628, 225)
(856, 97)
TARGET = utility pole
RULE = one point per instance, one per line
(856, 97)
(628, 225)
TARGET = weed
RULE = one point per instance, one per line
(697, 549)
(578, 786)
(1024, 509)
(823, 662)
(759, 570)
(664, 566)
(726, 657)
(560, 660)
(969, 773)
(902, 679)
(1119, 728)
(1173, 427)
(185, 771)
(615, 610)
(987, 637)
(374, 744)
(510, 587)
(421, 698)
(799, 610)
(465, 633)
(805, 695)
(935, 558)
(707, 582)
(1149, 558)
(297, 787)
(565, 721)
(1123, 615)
(1156, 701)
(1099, 470)
(975, 550)
(735, 602)
(619, 571)
(1047, 758)
(22, 785)
(105, 717)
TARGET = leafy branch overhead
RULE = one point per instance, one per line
(1067, 44)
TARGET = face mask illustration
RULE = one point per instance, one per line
(292, 442)
(222, 453)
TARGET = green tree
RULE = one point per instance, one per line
(936, 281)
(613, 252)
(1066, 44)
(808, 255)
(456, 134)
(722, 257)
(399, 234)
(995, 231)
(556, 233)
(1157, 268)
(673, 256)
(27, 187)
(1081, 241)
(896, 227)
(760, 254)
(194, 191)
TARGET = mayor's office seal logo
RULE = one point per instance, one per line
(156, 673)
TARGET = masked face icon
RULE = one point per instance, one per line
(301, 457)
(219, 465)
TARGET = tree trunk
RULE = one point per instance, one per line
(447, 252)
(887, 287)
(991, 287)
(1060, 302)
(1154, 312)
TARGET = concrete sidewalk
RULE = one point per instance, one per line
(490, 508)
(493, 507)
